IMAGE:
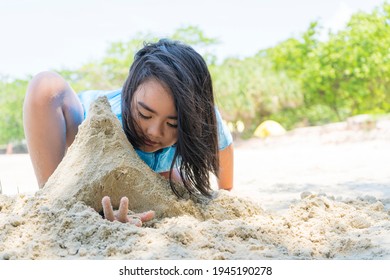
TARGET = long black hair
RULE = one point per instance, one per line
(184, 72)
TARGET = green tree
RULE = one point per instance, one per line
(250, 91)
(345, 75)
(350, 72)
(11, 112)
(291, 55)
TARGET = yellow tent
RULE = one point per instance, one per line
(269, 128)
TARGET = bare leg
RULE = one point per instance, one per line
(51, 116)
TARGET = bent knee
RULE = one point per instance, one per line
(46, 86)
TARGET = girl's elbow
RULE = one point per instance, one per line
(228, 188)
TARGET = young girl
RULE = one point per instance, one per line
(167, 111)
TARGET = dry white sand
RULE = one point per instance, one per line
(314, 193)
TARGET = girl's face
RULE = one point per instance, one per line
(154, 112)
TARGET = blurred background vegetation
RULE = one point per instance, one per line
(299, 82)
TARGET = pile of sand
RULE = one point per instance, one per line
(62, 220)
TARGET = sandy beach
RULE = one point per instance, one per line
(313, 193)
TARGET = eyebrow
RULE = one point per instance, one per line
(146, 107)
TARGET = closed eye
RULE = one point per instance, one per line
(172, 125)
(143, 116)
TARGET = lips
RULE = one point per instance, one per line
(150, 143)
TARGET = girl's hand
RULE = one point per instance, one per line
(121, 214)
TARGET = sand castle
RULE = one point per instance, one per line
(101, 162)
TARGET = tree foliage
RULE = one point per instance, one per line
(11, 104)
(249, 91)
(348, 74)
(352, 68)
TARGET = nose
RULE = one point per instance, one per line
(155, 131)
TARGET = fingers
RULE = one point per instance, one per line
(107, 209)
(121, 214)
(123, 208)
(135, 221)
(139, 219)
(146, 216)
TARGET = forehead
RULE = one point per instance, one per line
(152, 86)
(156, 95)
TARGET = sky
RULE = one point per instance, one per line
(38, 35)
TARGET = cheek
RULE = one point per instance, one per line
(174, 136)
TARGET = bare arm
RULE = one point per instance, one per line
(226, 168)
(175, 175)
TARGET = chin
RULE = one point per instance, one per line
(150, 149)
